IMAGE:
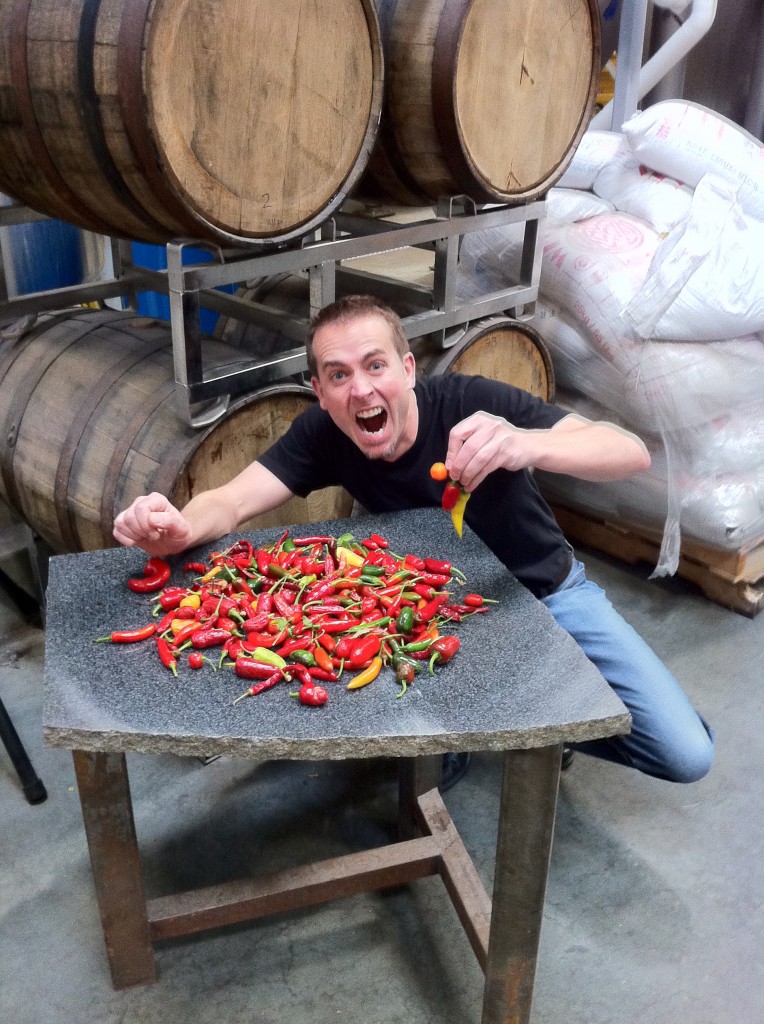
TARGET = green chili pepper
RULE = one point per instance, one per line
(303, 657)
(405, 621)
(270, 657)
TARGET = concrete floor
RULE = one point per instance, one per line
(653, 908)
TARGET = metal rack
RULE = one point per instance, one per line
(203, 395)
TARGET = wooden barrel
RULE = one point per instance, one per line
(487, 98)
(496, 347)
(242, 122)
(89, 420)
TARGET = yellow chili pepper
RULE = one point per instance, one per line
(190, 601)
(214, 571)
(457, 512)
(368, 674)
(351, 557)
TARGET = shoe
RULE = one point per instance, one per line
(454, 769)
(567, 758)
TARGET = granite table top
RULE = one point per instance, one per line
(518, 680)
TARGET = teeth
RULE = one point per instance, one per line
(368, 413)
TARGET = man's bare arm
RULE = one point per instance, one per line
(154, 524)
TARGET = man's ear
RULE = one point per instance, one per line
(409, 363)
(315, 384)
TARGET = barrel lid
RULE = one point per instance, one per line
(261, 111)
(523, 78)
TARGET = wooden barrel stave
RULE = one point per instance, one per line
(94, 424)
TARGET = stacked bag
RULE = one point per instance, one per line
(651, 301)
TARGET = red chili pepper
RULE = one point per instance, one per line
(430, 610)
(433, 565)
(451, 494)
(256, 623)
(185, 632)
(323, 674)
(313, 696)
(444, 648)
(299, 672)
(320, 590)
(293, 644)
(414, 561)
(304, 542)
(473, 600)
(197, 567)
(256, 639)
(370, 544)
(166, 655)
(434, 579)
(156, 573)
(171, 598)
(250, 668)
(263, 560)
(227, 624)
(379, 541)
(209, 637)
(164, 622)
(130, 636)
(264, 604)
(327, 642)
(233, 647)
(364, 648)
(195, 659)
(264, 684)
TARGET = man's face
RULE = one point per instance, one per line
(366, 387)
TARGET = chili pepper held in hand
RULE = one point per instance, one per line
(457, 512)
(156, 573)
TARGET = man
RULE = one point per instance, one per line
(377, 431)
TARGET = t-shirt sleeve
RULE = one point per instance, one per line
(299, 458)
(519, 407)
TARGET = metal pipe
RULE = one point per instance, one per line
(674, 50)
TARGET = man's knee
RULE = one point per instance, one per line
(693, 762)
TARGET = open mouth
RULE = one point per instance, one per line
(372, 421)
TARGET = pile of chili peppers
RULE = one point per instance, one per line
(306, 610)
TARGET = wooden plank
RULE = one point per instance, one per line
(734, 579)
(320, 882)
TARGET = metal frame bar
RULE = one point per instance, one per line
(344, 237)
(203, 396)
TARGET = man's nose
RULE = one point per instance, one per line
(361, 385)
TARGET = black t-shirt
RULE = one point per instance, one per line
(506, 510)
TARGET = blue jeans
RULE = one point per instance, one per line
(668, 740)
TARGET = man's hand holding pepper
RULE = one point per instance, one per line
(587, 449)
(483, 443)
(155, 525)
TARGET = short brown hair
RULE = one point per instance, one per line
(352, 307)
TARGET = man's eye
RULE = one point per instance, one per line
(377, 365)
(337, 376)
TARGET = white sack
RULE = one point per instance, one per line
(686, 141)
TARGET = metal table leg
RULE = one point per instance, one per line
(526, 826)
(107, 812)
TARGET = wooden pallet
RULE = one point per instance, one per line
(734, 579)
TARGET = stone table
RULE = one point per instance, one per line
(519, 684)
